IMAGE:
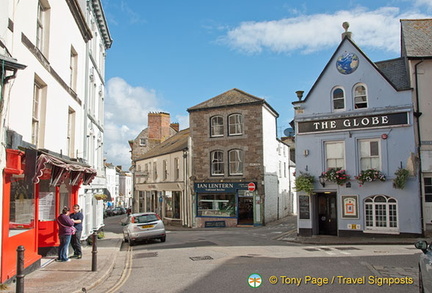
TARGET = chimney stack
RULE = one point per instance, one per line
(175, 126)
(158, 126)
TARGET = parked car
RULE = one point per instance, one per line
(143, 226)
(425, 266)
(108, 212)
(118, 211)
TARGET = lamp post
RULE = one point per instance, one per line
(322, 180)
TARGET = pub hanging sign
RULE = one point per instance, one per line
(353, 123)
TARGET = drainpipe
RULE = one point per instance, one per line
(417, 114)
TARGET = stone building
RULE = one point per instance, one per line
(237, 161)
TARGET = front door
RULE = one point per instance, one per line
(327, 213)
(245, 216)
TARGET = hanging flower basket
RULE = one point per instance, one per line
(100, 196)
(304, 182)
(336, 175)
(370, 175)
(401, 178)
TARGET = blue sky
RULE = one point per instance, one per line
(169, 55)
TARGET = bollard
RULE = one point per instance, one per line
(20, 270)
(94, 252)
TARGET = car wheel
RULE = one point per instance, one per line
(421, 290)
(131, 242)
(163, 239)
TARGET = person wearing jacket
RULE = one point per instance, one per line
(65, 233)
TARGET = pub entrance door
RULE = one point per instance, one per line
(327, 213)
(245, 211)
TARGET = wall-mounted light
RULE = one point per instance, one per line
(322, 180)
(306, 153)
(348, 185)
(384, 136)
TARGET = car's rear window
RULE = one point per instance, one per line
(146, 218)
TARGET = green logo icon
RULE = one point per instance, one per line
(254, 280)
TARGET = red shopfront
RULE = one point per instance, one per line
(36, 186)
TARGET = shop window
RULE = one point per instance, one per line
(216, 205)
(217, 163)
(335, 154)
(369, 154)
(428, 188)
(22, 208)
(235, 124)
(338, 99)
(360, 97)
(381, 213)
(216, 126)
(235, 158)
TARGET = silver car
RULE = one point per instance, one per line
(425, 266)
(143, 226)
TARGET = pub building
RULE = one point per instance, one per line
(356, 137)
(36, 186)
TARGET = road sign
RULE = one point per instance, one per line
(251, 186)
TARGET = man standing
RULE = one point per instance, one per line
(77, 217)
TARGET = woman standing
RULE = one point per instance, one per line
(65, 232)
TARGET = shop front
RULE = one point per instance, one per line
(36, 186)
(227, 204)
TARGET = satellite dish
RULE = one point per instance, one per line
(289, 132)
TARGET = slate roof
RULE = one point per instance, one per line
(416, 37)
(233, 97)
(175, 143)
(396, 72)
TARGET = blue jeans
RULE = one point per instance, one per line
(64, 247)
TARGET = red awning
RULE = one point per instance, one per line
(61, 169)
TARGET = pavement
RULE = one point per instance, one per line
(113, 257)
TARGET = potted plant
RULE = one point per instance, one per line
(100, 196)
(401, 178)
(304, 182)
(370, 175)
(336, 175)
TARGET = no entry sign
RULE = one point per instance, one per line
(251, 186)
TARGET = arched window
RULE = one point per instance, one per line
(360, 97)
(338, 99)
(381, 213)
(235, 124)
(217, 163)
(235, 158)
(216, 126)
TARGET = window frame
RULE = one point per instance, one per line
(334, 99)
(337, 165)
(235, 128)
(216, 130)
(427, 188)
(365, 96)
(217, 165)
(236, 167)
(370, 157)
(377, 213)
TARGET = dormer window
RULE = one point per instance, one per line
(338, 99)
(360, 97)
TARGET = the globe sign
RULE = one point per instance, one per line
(347, 63)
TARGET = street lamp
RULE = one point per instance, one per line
(322, 180)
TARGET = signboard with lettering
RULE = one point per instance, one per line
(352, 123)
(220, 186)
(304, 207)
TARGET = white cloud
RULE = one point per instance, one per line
(126, 109)
(379, 29)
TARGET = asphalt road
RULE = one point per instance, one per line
(235, 260)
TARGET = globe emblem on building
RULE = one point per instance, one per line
(347, 63)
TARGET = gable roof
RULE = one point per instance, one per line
(348, 39)
(416, 37)
(233, 97)
(173, 144)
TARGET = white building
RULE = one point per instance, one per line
(52, 115)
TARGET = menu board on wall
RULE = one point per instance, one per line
(304, 207)
(46, 206)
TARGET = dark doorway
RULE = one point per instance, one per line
(245, 216)
(327, 213)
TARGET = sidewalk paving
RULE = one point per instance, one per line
(77, 275)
